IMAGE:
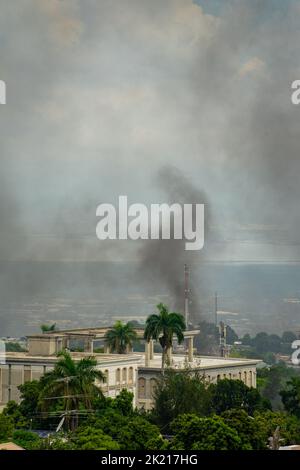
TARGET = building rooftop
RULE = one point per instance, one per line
(43, 349)
(95, 333)
(179, 361)
(101, 357)
(10, 446)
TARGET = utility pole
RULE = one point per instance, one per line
(216, 308)
(186, 294)
(223, 345)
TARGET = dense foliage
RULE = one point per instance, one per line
(192, 432)
(120, 337)
(180, 393)
(229, 394)
(188, 414)
(272, 380)
(291, 396)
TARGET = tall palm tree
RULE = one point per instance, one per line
(162, 327)
(120, 336)
(72, 382)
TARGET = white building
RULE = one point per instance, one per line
(135, 371)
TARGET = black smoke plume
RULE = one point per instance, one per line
(164, 260)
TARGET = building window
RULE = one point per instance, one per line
(245, 378)
(130, 378)
(27, 374)
(106, 376)
(152, 387)
(124, 374)
(118, 376)
(142, 388)
(218, 377)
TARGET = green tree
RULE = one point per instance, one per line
(231, 335)
(157, 443)
(120, 337)
(288, 337)
(291, 396)
(286, 342)
(194, 433)
(26, 439)
(57, 442)
(180, 392)
(260, 342)
(269, 358)
(48, 328)
(30, 395)
(13, 347)
(13, 411)
(72, 382)
(110, 420)
(227, 394)
(271, 380)
(251, 435)
(246, 340)
(137, 434)
(263, 343)
(268, 421)
(271, 383)
(6, 428)
(89, 438)
(132, 432)
(123, 403)
(162, 327)
(274, 343)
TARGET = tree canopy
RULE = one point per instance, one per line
(192, 432)
(162, 327)
(120, 337)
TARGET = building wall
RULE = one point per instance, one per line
(42, 346)
(147, 380)
(11, 376)
(119, 376)
(126, 374)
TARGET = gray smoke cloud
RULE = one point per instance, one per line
(104, 96)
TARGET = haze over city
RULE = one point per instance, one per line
(176, 101)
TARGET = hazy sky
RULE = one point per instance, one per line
(103, 94)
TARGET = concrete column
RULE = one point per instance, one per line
(106, 349)
(129, 349)
(151, 349)
(88, 346)
(147, 354)
(9, 382)
(191, 349)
